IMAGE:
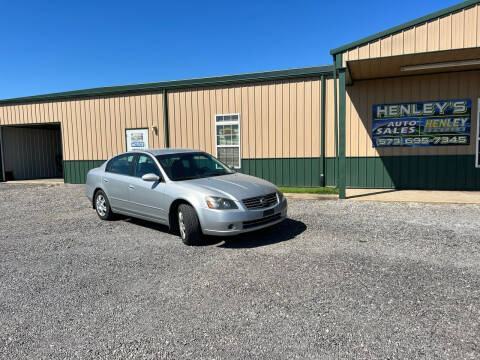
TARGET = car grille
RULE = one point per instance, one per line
(258, 222)
(260, 202)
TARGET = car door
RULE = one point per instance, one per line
(147, 198)
(116, 180)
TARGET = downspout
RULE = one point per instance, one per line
(322, 175)
(165, 119)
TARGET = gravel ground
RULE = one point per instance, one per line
(339, 279)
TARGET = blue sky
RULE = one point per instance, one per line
(50, 46)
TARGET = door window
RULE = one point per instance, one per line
(121, 164)
(145, 165)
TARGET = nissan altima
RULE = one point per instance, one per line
(188, 190)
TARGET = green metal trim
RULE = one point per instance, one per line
(75, 171)
(303, 172)
(405, 26)
(175, 84)
(165, 119)
(342, 169)
(422, 172)
(429, 172)
(322, 126)
(337, 60)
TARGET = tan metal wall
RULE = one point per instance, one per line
(93, 129)
(364, 94)
(455, 31)
(279, 119)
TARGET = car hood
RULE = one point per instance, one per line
(238, 186)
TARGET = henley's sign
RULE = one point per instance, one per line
(429, 123)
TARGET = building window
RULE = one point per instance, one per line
(228, 139)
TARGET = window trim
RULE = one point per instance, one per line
(477, 147)
(237, 122)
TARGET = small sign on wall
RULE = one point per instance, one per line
(137, 139)
(428, 123)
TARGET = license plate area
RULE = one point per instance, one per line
(268, 213)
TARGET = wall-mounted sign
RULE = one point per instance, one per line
(428, 123)
(137, 139)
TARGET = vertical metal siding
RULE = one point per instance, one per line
(280, 125)
(454, 31)
(94, 129)
(278, 119)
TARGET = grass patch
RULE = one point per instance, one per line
(312, 190)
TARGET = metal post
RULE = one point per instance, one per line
(335, 112)
(342, 164)
(322, 115)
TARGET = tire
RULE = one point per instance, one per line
(102, 206)
(188, 225)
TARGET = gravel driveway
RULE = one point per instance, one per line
(339, 279)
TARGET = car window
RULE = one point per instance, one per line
(185, 166)
(121, 164)
(145, 165)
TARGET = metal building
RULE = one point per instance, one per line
(398, 109)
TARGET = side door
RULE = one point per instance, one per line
(147, 198)
(116, 180)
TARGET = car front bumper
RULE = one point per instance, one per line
(242, 220)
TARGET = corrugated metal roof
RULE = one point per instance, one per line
(174, 84)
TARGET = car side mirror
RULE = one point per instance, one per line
(151, 177)
(231, 167)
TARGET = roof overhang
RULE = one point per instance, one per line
(414, 64)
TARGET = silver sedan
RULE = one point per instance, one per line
(190, 191)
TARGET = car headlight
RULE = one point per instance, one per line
(220, 203)
(280, 196)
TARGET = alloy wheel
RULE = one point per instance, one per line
(101, 205)
(181, 224)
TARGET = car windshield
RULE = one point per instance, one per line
(187, 166)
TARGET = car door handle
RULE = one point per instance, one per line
(131, 187)
(105, 180)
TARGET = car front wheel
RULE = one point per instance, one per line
(188, 225)
(102, 206)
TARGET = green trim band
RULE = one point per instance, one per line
(425, 172)
(175, 84)
(75, 171)
(405, 26)
(428, 172)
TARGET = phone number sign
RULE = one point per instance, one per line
(428, 123)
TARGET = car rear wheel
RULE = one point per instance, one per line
(102, 206)
(188, 225)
